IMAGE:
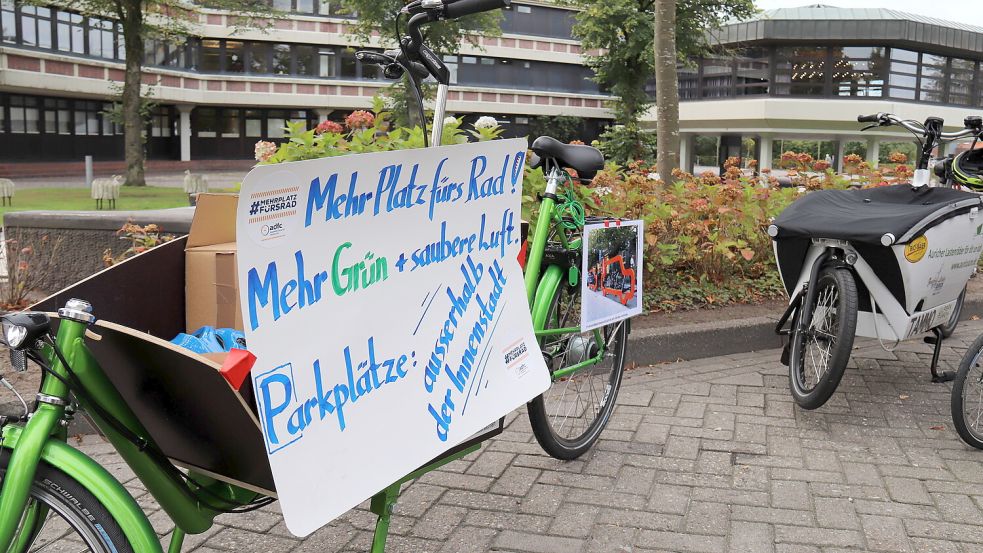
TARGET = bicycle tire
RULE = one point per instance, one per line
(77, 508)
(950, 327)
(543, 410)
(972, 434)
(836, 294)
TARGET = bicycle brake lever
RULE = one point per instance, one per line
(874, 126)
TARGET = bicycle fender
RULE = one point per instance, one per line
(544, 295)
(97, 480)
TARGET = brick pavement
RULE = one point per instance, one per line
(702, 456)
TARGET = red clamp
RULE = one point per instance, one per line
(236, 367)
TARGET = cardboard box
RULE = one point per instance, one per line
(211, 283)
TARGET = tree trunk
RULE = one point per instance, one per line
(133, 121)
(666, 89)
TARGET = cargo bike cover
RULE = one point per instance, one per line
(865, 215)
(862, 217)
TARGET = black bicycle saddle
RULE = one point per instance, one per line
(586, 160)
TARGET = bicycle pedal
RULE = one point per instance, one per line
(931, 339)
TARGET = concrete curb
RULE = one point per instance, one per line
(696, 341)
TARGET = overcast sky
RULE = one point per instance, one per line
(954, 10)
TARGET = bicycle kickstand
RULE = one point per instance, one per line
(943, 376)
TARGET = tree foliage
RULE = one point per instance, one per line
(564, 128)
(144, 19)
(621, 34)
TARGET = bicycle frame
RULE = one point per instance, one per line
(542, 285)
(43, 437)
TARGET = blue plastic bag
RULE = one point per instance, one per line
(208, 339)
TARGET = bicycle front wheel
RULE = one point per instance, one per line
(61, 515)
(820, 352)
(967, 396)
(568, 418)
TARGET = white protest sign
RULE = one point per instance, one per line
(382, 298)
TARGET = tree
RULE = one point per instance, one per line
(666, 89)
(564, 128)
(622, 32)
(165, 19)
(378, 17)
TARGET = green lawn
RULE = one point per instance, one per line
(77, 199)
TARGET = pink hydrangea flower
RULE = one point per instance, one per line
(359, 119)
(264, 150)
(328, 126)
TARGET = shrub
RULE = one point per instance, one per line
(705, 242)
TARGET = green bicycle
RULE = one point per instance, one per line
(585, 367)
(50, 487)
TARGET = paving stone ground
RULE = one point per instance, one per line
(702, 456)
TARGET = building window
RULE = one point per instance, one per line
(259, 58)
(154, 52)
(206, 122)
(161, 123)
(229, 122)
(71, 32)
(328, 62)
(233, 57)
(859, 71)
(211, 56)
(281, 59)
(960, 86)
(718, 75)
(87, 117)
(254, 123)
(304, 6)
(307, 60)
(101, 39)
(752, 72)
(348, 67)
(24, 115)
(57, 116)
(932, 83)
(275, 123)
(800, 71)
(8, 21)
(903, 80)
(35, 26)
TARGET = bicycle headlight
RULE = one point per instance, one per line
(22, 330)
(14, 334)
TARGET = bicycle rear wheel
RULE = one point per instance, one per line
(62, 515)
(568, 418)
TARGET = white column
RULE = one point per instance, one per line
(764, 147)
(686, 152)
(873, 150)
(840, 149)
(323, 113)
(184, 129)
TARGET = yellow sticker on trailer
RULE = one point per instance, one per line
(915, 250)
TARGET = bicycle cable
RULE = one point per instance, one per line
(142, 444)
(568, 204)
(413, 84)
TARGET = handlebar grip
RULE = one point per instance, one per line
(875, 118)
(460, 8)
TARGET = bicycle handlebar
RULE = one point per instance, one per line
(886, 119)
(461, 8)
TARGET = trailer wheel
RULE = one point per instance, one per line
(821, 349)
